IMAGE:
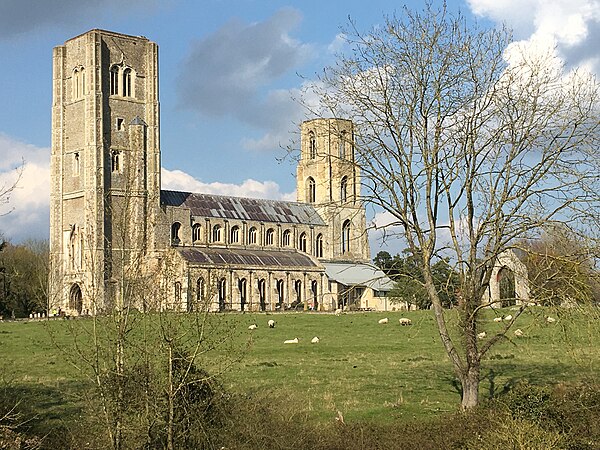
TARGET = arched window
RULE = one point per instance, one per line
(314, 291)
(344, 189)
(127, 92)
(298, 290)
(234, 235)
(177, 292)
(346, 237)
(222, 289)
(262, 291)
(286, 238)
(115, 161)
(196, 232)
(302, 243)
(252, 236)
(82, 81)
(114, 80)
(270, 236)
(319, 246)
(342, 145)
(312, 145)
(200, 289)
(78, 83)
(175, 233)
(280, 293)
(216, 234)
(311, 190)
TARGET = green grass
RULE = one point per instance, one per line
(365, 370)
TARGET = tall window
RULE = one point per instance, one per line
(216, 235)
(242, 288)
(280, 293)
(302, 243)
(319, 246)
(175, 233)
(222, 289)
(114, 80)
(177, 292)
(127, 83)
(270, 236)
(200, 289)
(234, 235)
(298, 290)
(252, 236)
(115, 161)
(262, 297)
(312, 145)
(286, 238)
(196, 232)
(342, 146)
(346, 237)
(344, 189)
(78, 82)
(76, 164)
(311, 190)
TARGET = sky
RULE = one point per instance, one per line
(230, 71)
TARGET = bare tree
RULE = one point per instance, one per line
(469, 143)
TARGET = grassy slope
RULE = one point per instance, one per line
(361, 368)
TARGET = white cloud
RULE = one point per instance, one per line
(573, 26)
(26, 215)
(181, 181)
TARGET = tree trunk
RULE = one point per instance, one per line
(470, 387)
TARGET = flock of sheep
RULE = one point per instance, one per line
(404, 322)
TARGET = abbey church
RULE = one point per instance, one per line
(117, 239)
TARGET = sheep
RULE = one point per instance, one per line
(508, 318)
(271, 323)
(519, 332)
(481, 335)
(550, 319)
(497, 319)
(383, 321)
(291, 341)
(315, 340)
(253, 327)
(404, 321)
(338, 312)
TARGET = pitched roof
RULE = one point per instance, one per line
(359, 274)
(207, 205)
(227, 257)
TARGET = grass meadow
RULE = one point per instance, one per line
(367, 371)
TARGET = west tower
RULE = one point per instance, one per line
(328, 177)
(105, 166)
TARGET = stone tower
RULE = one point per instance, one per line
(105, 166)
(328, 177)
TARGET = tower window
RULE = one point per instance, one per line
(342, 146)
(196, 232)
(319, 246)
(312, 145)
(344, 189)
(346, 237)
(119, 124)
(234, 235)
(115, 161)
(127, 92)
(311, 190)
(286, 238)
(76, 164)
(252, 236)
(270, 236)
(302, 243)
(114, 80)
(78, 81)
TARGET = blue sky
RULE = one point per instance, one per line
(228, 73)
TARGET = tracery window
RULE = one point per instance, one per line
(311, 190)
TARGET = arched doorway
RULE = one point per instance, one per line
(75, 299)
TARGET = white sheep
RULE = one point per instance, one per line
(315, 340)
(497, 319)
(253, 327)
(481, 335)
(271, 323)
(550, 319)
(508, 318)
(383, 321)
(519, 332)
(404, 321)
(291, 341)
(338, 312)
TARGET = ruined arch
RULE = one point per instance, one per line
(508, 261)
(75, 299)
